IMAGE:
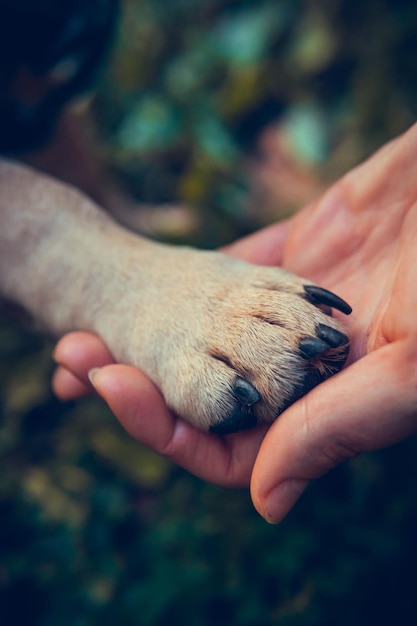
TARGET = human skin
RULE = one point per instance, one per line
(359, 240)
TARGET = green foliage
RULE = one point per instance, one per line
(191, 84)
(94, 529)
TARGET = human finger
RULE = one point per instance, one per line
(66, 386)
(265, 247)
(80, 351)
(142, 411)
(369, 405)
(76, 353)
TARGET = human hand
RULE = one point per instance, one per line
(357, 240)
(139, 406)
(141, 410)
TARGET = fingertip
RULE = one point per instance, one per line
(67, 344)
(115, 380)
(66, 386)
(134, 400)
(275, 505)
(76, 349)
(92, 374)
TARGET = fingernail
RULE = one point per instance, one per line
(281, 499)
(92, 373)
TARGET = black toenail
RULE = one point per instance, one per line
(245, 392)
(311, 347)
(241, 418)
(331, 336)
(317, 295)
(311, 379)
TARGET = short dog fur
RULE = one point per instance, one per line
(229, 344)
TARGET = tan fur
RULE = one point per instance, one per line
(190, 319)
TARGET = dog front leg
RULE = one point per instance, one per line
(229, 344)
(61, 257)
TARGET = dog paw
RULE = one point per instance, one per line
(236, 344)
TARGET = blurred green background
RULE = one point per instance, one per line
(94, 529)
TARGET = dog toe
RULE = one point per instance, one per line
(328, 338)
(246, 393)
(312, 347)
(242, 413)
(318, 295)
(333, 337)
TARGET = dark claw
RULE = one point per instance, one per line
(242, 415)
(317, 295)
(331, 336)
(311, 347)
(245, 392)
(241, 418)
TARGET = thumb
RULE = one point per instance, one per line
(369, 405)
